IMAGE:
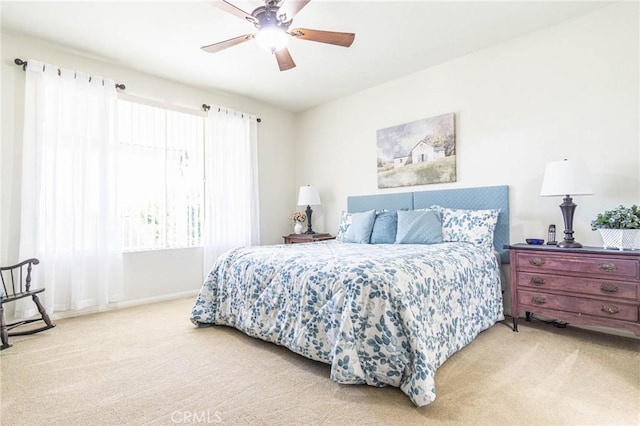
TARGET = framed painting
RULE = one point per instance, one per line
(417, 153)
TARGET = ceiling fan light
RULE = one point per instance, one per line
(272, 39)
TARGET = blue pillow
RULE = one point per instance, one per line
(419, 227)
(361, 226)
(384, 228)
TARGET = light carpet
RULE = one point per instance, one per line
(148, 365)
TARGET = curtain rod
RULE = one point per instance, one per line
(206, 108)
(23, 64)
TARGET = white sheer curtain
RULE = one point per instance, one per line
(69, 217)
(231, 184)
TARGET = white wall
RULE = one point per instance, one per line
(567, 91)
(150, 275)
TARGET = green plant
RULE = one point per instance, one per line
(619, 218)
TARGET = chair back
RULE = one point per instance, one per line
(16, 279)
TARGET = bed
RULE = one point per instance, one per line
(384, 314)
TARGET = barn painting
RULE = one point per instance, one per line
(417, 153)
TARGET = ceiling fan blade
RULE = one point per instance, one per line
(330, 37)
(234, 10)
(285, 61)
(289, 8)
(216, 47)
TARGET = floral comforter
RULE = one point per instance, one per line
(387, 314)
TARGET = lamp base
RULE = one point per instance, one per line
(309, 229)
(568, 207)
(569, 244)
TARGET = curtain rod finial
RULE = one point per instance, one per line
(21, 63)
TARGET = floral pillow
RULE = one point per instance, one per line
(345, 222)
(473, 226)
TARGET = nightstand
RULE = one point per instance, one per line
(588, 286)
(306, 238)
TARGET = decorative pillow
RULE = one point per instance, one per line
(345, 221)
(472, 226)
(418, 227)
(361, 226)
(384, 228)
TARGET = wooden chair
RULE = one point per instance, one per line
(16, 284)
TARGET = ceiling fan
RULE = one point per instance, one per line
(273, 21)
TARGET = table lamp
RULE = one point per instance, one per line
(566, 178)
(308, 195)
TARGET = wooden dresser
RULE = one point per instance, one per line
(588, 286)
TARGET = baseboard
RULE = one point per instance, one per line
(123, 304)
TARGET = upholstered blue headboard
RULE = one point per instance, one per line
(398, 201)
(486, 197)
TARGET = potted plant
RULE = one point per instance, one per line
(298, 218)
(619, 227)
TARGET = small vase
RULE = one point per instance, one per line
(297, 228)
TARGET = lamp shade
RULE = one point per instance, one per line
(308, 196)
(566, 177)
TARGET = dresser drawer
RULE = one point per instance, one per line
(587, 286)
(593, 266)
(598, 308)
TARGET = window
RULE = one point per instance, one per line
(161, 177)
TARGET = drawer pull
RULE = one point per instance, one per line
(536, 261)
(610, 309)
(607, 267)
(537, 281)
(608, 288)
(541, 300)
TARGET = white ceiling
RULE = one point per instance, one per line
(393, 39)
